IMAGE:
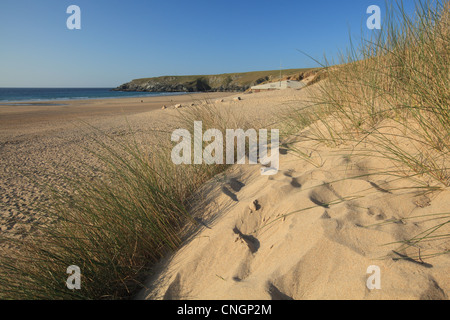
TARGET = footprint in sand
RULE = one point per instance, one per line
(251, 242)
(276, 294)
(323, 196)
(376, 213)
(229, 193)
(295, 183)
(254, 206)
(235, 186)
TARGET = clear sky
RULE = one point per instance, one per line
(124, 40)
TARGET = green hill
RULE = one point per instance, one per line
(219, 82)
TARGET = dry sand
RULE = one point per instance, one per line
(312, 233)
(295, 246)
(45, 143)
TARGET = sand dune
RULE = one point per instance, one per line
(310, 232)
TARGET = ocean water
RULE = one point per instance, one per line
(61, 94)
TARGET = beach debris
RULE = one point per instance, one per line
(164, 107)
(219, 100)
(237, 99)
(178, 106)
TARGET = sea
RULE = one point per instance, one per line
(26, 95)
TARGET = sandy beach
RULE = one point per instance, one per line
(275, 237)
(182, 151)
(45, 142)
(16, 117)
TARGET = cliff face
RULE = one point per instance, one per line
(178, 84)
(235, 82)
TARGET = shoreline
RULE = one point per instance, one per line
(58, 100)
(14, 116)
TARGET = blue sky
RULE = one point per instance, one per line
(124, 40)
